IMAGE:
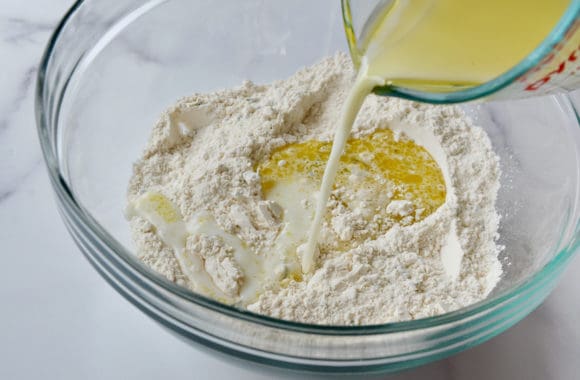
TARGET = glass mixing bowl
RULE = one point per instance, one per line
(113, 66)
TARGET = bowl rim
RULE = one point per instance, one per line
(62, 189)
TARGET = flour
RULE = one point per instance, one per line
(202, 156)
(219, 262)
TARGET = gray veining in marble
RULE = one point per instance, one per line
(20, 29)
(60, 320)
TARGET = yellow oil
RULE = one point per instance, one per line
(381, 164)
(290, 277)
(440, 45)
(161, 206)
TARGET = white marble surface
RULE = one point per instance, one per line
(60, 320)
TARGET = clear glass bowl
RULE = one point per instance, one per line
(112, 67)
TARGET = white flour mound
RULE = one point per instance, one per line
(201, 156)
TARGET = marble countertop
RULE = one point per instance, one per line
(60, 320)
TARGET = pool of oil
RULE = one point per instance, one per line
(380, 167)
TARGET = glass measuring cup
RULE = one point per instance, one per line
(553, 66)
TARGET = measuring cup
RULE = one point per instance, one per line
(553, 66)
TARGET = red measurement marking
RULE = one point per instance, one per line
(548, 59)
(539, 83)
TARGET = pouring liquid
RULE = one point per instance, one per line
(434, 46)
